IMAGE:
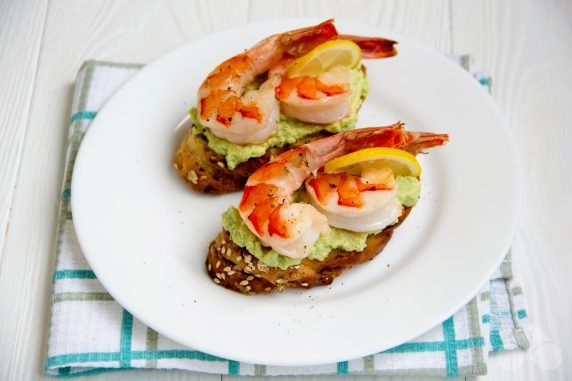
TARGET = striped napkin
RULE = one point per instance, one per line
(89, 332)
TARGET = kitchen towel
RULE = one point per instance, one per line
(90, 333)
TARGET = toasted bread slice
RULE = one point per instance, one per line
(233, 267)
(206, 171)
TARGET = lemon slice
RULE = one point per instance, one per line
(401, 162)
(324, 57)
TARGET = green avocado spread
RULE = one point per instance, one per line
(346, 240)
(289, 130)
(408, 190)
(243, 237)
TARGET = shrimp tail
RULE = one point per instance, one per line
(300, 41)
(423, 140)
(395, 136)
(373, 47)
(331, 147)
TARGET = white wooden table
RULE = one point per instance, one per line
(525, 44)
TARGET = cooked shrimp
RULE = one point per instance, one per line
(373, 47)
(292, 228)
(252, 117)
(358, 203)
(325, 98)
(322, 99)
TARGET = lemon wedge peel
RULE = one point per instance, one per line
(324, 57)
(401, 162)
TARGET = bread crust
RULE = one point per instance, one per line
(234, 268)
(207, 172)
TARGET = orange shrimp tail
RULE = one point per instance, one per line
(373, 47)
(300, 41)
(423, 140)
(393, 136)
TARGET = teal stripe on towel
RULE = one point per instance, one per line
(233, 367)
(450, 348)
(78, 358)
(73, 274)
(496, 340)
(126, 336)
(343, 367)
(81, 115)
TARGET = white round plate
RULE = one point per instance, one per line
(146, 234)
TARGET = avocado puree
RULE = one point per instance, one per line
(409, 189)
(289, 130)
(243, 237)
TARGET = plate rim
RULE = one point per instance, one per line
(492, 104)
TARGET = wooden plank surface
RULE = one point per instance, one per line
(532, 86)
(21, 30)
(74, 31)
(20, 35)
